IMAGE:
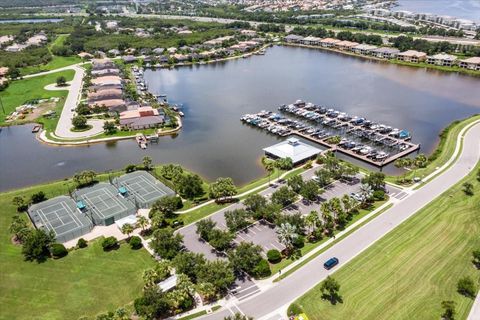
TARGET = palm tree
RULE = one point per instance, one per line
(312, 221)
(286, 235)
(365, 192)
(150, 278)
(127, 229)
(142, 222)
(147, 162)
(336, 207)
(269, 166)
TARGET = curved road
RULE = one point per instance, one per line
(267, 303)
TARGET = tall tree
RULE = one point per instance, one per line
(166, 244)
(330, 290)
(223, 188)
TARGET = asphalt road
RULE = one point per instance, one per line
(266, 302)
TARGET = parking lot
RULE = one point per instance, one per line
(262, 234)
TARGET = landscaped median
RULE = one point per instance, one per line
(413, 269)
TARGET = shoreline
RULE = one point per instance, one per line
(420, 65)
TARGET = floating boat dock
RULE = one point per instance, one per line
(380, 144)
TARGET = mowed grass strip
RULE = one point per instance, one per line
(21, 91)
(409, 272)
(84, 283)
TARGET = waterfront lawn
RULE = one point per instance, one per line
(445, 150)
(86, 282)
(410, 271)
(21, 91)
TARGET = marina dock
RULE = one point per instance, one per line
(362, 139)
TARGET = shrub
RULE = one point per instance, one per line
(82, 243)
(274, 256)
(299, 242)
(58, 250)
(294, 309)
(466, 287)
(262, 269)
(38, 197)
(135, 242)
(379, 195)
(109, 243)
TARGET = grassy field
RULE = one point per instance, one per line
(21, 91)
(86, 282)
(408, 273)
(56, 62)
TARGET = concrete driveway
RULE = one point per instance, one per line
(64, 125)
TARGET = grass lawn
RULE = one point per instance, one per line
(55, 63)
(409, 272)
(445, 148)
(86, 282)
(21, 91)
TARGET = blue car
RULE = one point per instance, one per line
(330, 263)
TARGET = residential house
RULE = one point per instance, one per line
(346, 45)
(106, 72)
(293, 38)
(311, 41)
(114, 52)
(470, 63)
(104, 94)
(113, 105)
(85, 55)
(412, 56)
(158, 50)
(3, 74)
(364, 49)
(329, 42)
(442, 59)
(141, 118)
(107, 80)
(100, 64)
(129, 59)
(385, 53)
(249, 33)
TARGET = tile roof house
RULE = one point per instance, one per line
(470, 63)
(442, 59)
(105, 94)
(141, 118)
(107, 80)
(329, 42)
(412, 56)
(385, 53)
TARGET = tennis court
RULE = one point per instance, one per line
(61, 216)
(144, 187)
(104, 204)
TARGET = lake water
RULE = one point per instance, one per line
(54, 20)
(465, 9)
(214, 142)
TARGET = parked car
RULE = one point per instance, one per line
(330, 263)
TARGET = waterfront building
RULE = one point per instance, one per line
(442, 59)
(129, 59)
(114, 52)
(346, 45)
(100, 64)
(249, 33)
(412, 56)
(141, 118)
(104, 94)
(385, 53)
(113, 105)
(107, 80)
(312, 41)
(470, 63)
(294, 149)
(364, 49)
(329, 42)
(293, 38)
(106, 72)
